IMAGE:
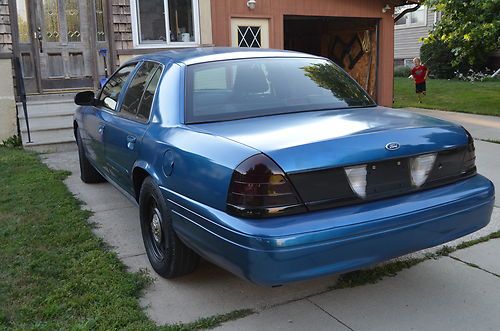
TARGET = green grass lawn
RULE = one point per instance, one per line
(55, 274)
(454, 95)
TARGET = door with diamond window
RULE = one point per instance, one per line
(62, 41)
(250, 32)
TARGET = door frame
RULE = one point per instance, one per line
(35, 49)
(14, 28)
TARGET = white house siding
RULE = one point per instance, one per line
(407, 39)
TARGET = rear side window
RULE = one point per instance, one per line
(148, 96)
(111, 91)
(137, 88)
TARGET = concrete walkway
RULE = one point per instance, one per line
(459, 292)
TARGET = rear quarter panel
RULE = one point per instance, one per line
(195, 165)
(202, 163)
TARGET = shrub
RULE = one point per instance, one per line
(472, 76)
(12, 142)
(438, 58)
(402, 71)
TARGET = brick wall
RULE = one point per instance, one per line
(122, 27)
(5, 32)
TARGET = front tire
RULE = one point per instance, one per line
(88, 174)
(168, 255)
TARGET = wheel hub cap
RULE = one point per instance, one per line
(156, 227)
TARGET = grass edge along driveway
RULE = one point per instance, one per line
(452, 95)
(55, 274)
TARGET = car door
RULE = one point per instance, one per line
(124, 132)
(94, 118)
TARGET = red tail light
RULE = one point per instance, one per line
(469, 162)
(259, 188)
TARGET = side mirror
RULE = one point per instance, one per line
(85, 98)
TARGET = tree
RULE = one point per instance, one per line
(330, 77)
(469, 28)
(438, 58)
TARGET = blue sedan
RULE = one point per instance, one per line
(274, 165)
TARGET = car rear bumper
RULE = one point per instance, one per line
(292, 248)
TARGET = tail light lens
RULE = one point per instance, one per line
(259, 188)
(357, 179)
(469, 163)
(421, 166)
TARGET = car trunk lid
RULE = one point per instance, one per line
(312, 141)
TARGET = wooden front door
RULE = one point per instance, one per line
(62, 42)
(25, 49)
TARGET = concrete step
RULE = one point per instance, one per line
(51, 122)
(49, 136)
(41, 110)
(52, 147)
(51, 97)
(56, 111)
(47, 123)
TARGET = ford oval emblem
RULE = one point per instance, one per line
(392, 146)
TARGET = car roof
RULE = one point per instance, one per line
(189, 56)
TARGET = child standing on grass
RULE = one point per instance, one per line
(419, 73)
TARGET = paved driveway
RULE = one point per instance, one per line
(480, 126)
(459, 292)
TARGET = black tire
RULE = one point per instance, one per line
(88, 174)
(168, 255)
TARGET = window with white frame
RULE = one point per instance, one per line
(412, 19)
(161, 23)
(408, 63)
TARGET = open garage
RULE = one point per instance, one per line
(356, 34)
(351, 43)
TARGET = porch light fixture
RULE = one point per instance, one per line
(251, 4)
(386, 8)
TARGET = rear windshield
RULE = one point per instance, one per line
(236, 89)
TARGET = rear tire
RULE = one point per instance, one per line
(168, 255)
(88, 174)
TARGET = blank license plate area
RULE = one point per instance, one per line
(387, 177)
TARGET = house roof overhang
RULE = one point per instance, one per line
(397, 3)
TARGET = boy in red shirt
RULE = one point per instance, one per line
(419, 73)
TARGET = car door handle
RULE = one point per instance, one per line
(100, 129)
(131, 142)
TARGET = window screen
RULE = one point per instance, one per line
(163, 22)
(181, 20)
(151, 21)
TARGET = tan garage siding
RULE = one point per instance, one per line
(275, 10)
